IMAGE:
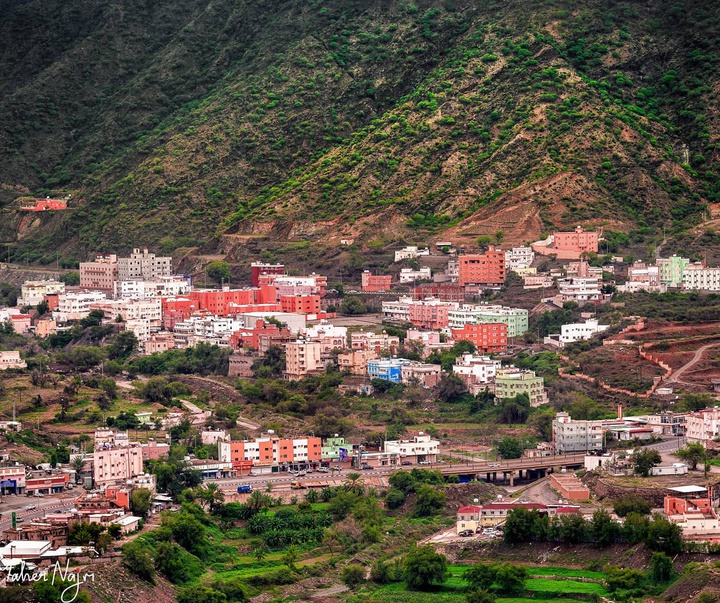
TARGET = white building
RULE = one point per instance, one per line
(476, 371)
(700, 278)
(580, 288)
(580, 330)
(703, 426)
(169, 286)
(421, 448)
(408, 275)
(11, 360)
(143, 265)
(410, 252)
(142, 328)
(330, 337)
(131, 309)
(33, 292)
(519, 257)
(213, 436)
(294, 322)
(398, 310)
(576, 436)
(75, 306)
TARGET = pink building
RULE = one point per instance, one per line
(99, 274)
(430, 313)
(20, 322)
(576, 242)
(355, 362)
(46, 205)
(375, 283)
(117, 464)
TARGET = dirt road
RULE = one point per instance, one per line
(675, 377)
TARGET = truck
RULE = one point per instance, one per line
(297, 486)
(246, 489)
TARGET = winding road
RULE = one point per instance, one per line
(675, 377)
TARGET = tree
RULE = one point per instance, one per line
(510, 448)
(661, 568)
(664, 535)
(218, 271)
(354, 483)
(201, 594)
(168, 561)
(424, 567)
(692, 453)
(480, 596)
(623, 579)
(141, 501)
(429, 501)
(312, 496)
(352, 306)
(510, 578)
(76, 464)
(260, 551)
(290, 557)
(353, 575)
(645, 459)
(604, 530)
(481, 576)
(450, 389)
(136, 558)
(631, 503)
(394, 498)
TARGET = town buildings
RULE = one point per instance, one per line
(671, 270)
(482, 268)
(75, 306)
(408, 275)
(703, 426)
(418, 449)
(486, 337)
(116, 464)
(143, 265)
(259, 268)
(356, 361)
(387, 369)
(100, 274)
(476, 371)
(375, 283)
(510, 382)
(519, 258)
(11, 360)
(429, 313)
(33, 292)
(410, 252)
(303, 358)
(264, 453)
(448, 292)
(572, 435)
(701, 278)
(578, 241)
(516, 319)
(573, 332)
(369, 340)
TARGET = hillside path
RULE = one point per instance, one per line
(675, 377)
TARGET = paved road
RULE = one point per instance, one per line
(675, 377)
(43, 508)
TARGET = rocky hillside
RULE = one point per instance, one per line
(237, 125)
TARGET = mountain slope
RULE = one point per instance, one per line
(214, 121)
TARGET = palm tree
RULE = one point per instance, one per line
(260, 551)
(77, 464)
(257, 501)
(355, 483)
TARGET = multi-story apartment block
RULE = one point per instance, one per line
(408, 275)
(509, 382)
(12, 480)
(703, 426)
(166, 286)
(387, 369)
(355, 362)
(482, 268)
(430, 313)
(518, 258)
(369, 340)
(671, 270)
(701, 278)
(419, 449)
(314, 284)
(375, 283)
(131, 309)
(99, 274)
(516, 319)
(397, 311)
(476, 371)
(426, 375)
(580, 289)
(569, 435)
(258, 268)
(578, 241)
(143, 265)
(33, 292)
(328, 336)
(301, 304)
(116, 464)
(75, 306)
(410, 252)
(271, 450)
(303, 358)
(640, 272)
(486, 337)
(158, 343)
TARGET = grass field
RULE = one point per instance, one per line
(565, 572)
(540, 585)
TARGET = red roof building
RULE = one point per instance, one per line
(486, 337)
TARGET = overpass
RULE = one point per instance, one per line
(509, 469)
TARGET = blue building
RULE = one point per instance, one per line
(387, 369)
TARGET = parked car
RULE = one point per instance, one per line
(406, 463)
(30, 507)
(365, 467)
(465, 533)
(323, 470)
(424, 463)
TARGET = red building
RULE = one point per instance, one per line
(46, 205)
(486, 337)
(258, 268)
(577, 242)
(482, 268)
(301, 304)
(374, 283)
(449, 292)
(250, 337)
